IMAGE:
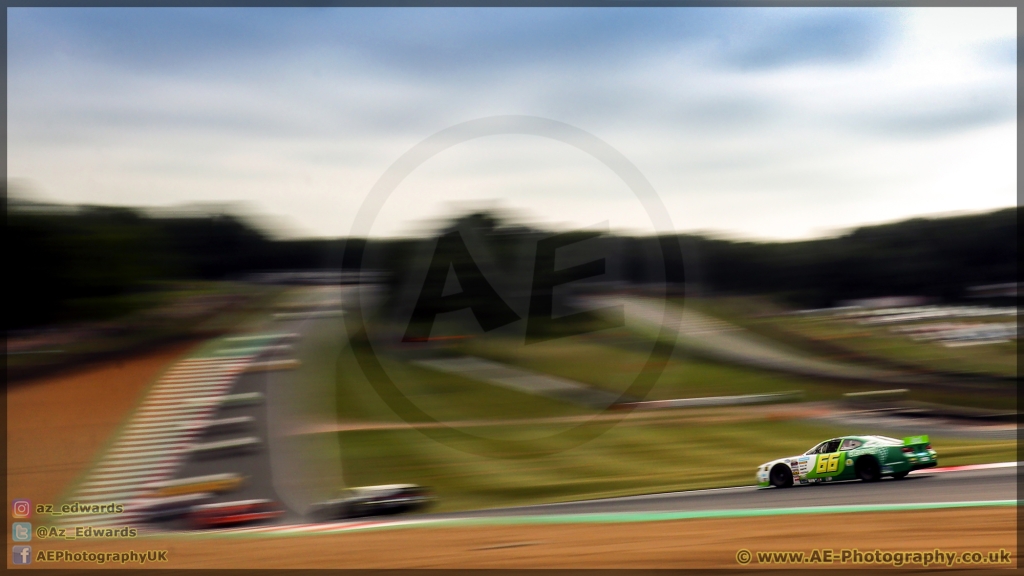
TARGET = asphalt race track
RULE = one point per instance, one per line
(253, 465)
(922, 487)
(969, 488)
(256, 466)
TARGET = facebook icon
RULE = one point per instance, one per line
(22, 555)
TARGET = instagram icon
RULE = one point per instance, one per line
(21, 509)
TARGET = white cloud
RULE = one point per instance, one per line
(923, 123)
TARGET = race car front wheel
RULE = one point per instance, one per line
(781, 476)
(868, 469)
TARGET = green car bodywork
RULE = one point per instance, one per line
(866, 458)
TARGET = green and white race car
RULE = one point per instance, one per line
(867, 458)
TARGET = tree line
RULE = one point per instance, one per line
(74, 263)
(934, 257)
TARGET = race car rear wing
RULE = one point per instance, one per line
(916, 440)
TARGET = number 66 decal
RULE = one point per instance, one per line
(828, 463)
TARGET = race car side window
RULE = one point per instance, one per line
(850, 445)
(833, 446)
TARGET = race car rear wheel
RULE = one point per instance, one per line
(781, 476)
(868, 469)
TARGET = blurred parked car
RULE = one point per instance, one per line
(171, 507)
(373, 501)
(222, 448)
(224, 514)
(216, 483)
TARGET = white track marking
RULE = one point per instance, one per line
(967, 468)
(133, 474)
(109, 468)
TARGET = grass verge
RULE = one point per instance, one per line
(529, 463)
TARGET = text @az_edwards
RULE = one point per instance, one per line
(76, 532)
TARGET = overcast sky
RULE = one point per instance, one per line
(756, 123)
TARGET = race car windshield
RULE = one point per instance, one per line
(815, 450)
